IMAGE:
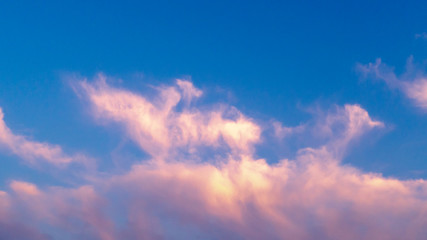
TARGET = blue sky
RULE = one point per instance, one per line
(275, 61)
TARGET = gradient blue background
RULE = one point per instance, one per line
(271, 59)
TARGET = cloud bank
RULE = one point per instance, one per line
(204, 180)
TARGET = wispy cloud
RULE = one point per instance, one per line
(177, 196)
(33, 152)
(413, 82)
(421, 36)
(160, 129)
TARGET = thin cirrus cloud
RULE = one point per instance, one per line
(421, 36)
(34, 152)
(413, 82)
(182, 193)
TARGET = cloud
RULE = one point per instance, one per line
(282, 132)
(334, 130)
(184, 193)
(344, 126)
(67, 209)
(421, 35)
(160, 130)
(10, 227)
(413, 83)
(32, 151)
(188, 90)
(309, 198)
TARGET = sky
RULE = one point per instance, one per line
(213, 120)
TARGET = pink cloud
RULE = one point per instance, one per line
(413, 83)
(282, 132)
(32, 151)
(160, 129)
(62, 208)
(309, 198)
(188, 90)
(241, 196)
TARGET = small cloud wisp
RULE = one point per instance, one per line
(413, 83)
